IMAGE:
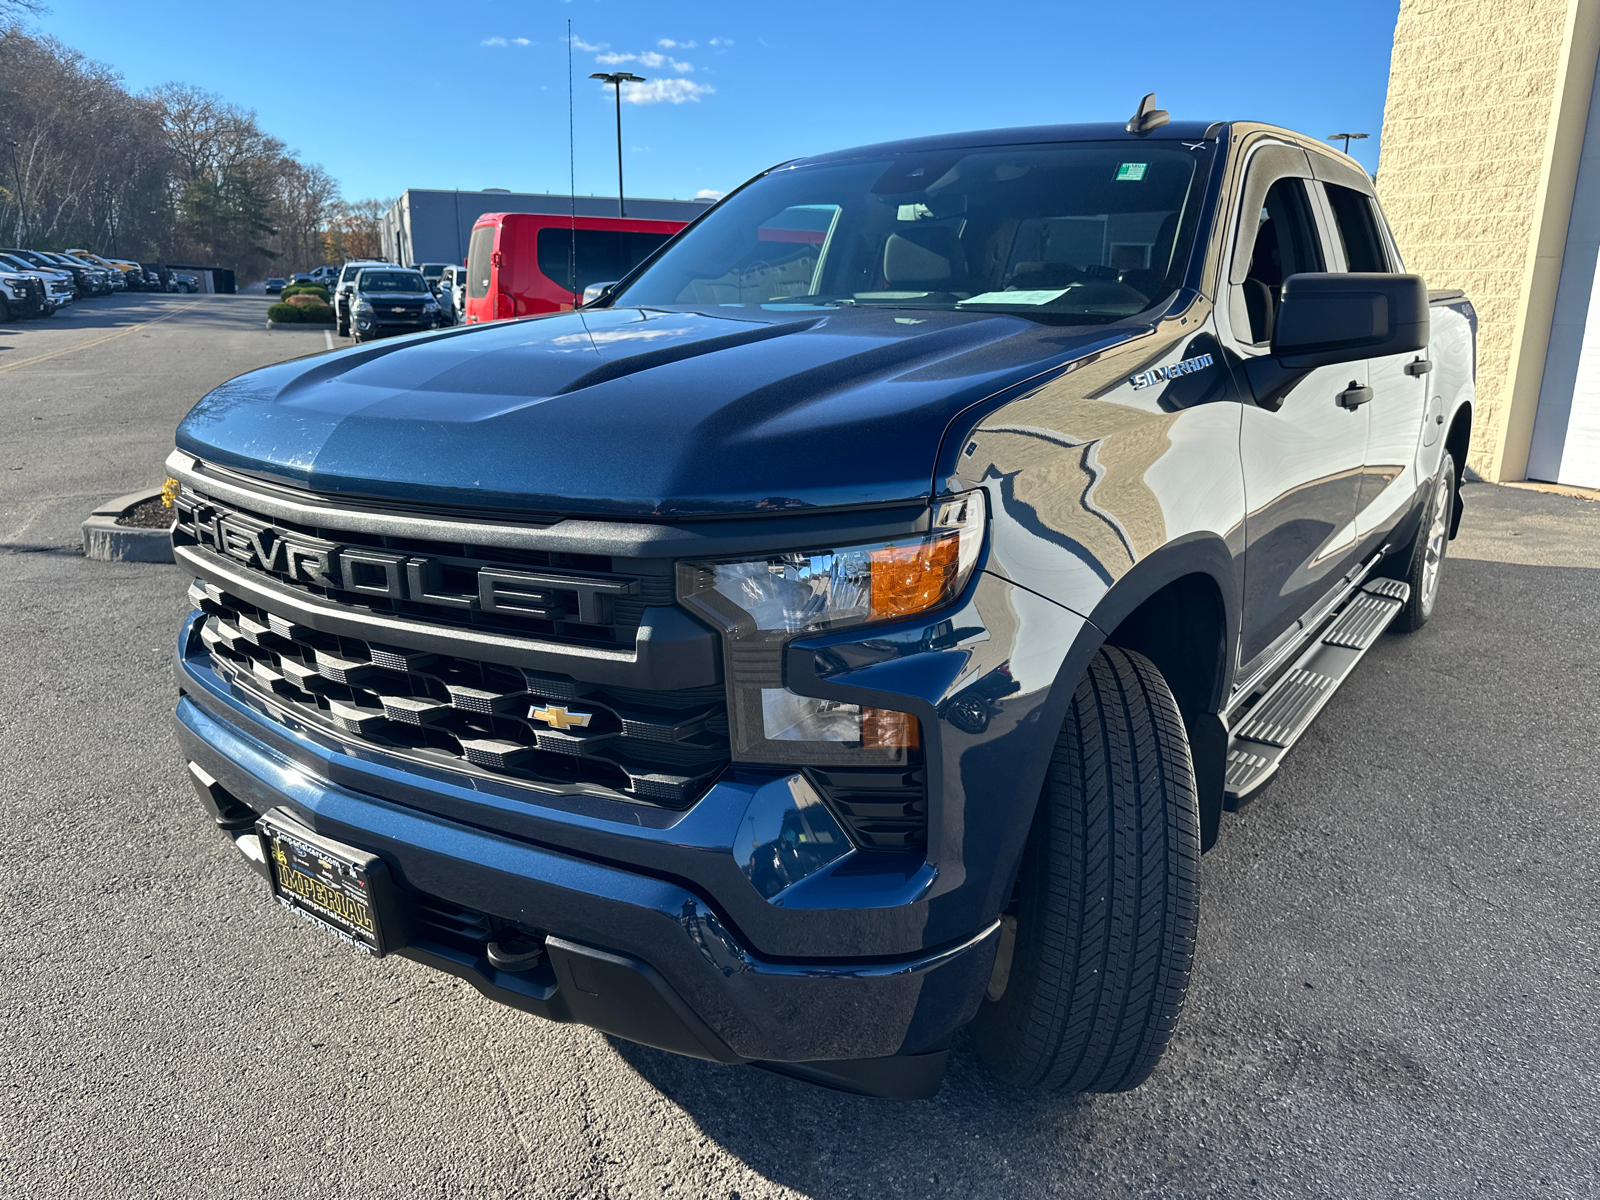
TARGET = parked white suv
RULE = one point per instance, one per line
(20, 295)
(59, 286)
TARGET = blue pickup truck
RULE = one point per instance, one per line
(848, 628)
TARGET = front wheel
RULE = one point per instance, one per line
(1425, 562)
(1099, 940)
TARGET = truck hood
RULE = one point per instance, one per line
(634, 412)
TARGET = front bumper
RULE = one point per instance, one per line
(381, 327)
(644, 958)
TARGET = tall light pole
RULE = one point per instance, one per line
(616, 79)
(1348, 138)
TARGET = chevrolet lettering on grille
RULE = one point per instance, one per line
(302, 558)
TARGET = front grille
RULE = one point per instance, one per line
(574, 598)
(661, 748)
(882, 810)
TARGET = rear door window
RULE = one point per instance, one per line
(1357, 228)
(575, 259)
(479, 251)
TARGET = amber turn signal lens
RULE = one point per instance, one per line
(885, 729)
(912, 579)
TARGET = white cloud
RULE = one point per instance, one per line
(648, 58)
(665, 91)
(669, 44)
(494, 41)
(522, 41)
(589, 48)
(709, 194)
(719, 41)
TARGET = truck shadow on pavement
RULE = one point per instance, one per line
(825, 1143)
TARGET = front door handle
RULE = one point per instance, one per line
(1354, 396)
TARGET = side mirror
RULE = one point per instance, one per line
(595, 290)
(1325, 319)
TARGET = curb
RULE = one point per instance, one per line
(107, 541)
(312, 325)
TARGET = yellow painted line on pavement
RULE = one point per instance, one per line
(93, 342)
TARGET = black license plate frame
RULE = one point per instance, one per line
(341, 889)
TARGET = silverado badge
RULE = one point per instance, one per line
(557, 717)
(1156, 374)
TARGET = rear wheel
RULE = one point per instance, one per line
(1425, 561)
(1102, 927)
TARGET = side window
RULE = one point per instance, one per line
(1358, 229)
(479, 248)
(1285, 244)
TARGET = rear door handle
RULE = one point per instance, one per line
(1420, 366)
(1354, 396)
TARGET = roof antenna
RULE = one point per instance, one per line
(1149, 117)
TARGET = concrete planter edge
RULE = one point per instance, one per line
(105, 540)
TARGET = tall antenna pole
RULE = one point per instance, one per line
(572, 180)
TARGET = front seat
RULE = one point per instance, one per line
(1262, 284)
(1148, 280)
(924, 260)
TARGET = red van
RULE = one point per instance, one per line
(519, 264)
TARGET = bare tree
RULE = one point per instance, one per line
(177, 173)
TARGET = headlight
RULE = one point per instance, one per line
(15, 281)
(362, 305)
(430, 306)
(762, 604)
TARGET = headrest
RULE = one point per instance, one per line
(921, 256)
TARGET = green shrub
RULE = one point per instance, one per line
(305, 289)
(316, 314)
(283, 314)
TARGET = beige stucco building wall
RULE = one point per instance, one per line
(1481, 138)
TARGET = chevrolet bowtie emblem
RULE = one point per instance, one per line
(558, 717)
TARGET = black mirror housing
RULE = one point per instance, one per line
(1328, 318)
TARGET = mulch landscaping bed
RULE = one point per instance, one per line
(148, 514)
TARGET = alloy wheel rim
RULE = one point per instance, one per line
(1438, 536)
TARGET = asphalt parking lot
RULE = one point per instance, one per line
(1394, 996)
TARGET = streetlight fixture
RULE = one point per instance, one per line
(1348, 138)
(616, 79)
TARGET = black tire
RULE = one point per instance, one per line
(1107, 900)
(1423, 563)
(5, 310)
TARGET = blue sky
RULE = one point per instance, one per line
(733, 87)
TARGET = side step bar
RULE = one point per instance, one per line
(1265, 733)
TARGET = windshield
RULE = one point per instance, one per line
(16, 264)
(431, 270)
(1094, 230)
(391, 281)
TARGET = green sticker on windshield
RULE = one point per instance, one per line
(1133, 171)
